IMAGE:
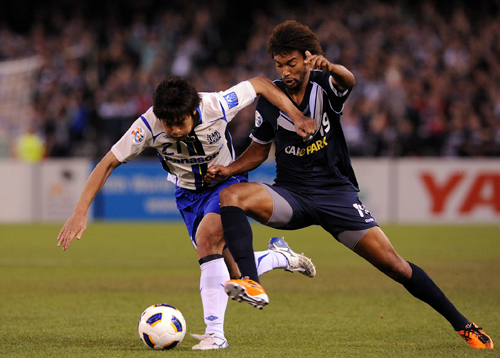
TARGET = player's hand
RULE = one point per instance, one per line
(318, 62)
(74, 226)
(305, 127)
(217, 172)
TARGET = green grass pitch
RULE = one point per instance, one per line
(86, 302)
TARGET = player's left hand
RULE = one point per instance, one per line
(318, 62)
(305, 127)
(74, 226)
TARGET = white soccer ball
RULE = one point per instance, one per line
(162, 326)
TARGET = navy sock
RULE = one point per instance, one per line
(239, 240)
(421, 286)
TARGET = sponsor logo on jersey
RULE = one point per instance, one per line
(310, 149)
(258, 119)
(231, 99)
(213, 137)
(137, 135)
(193, 160)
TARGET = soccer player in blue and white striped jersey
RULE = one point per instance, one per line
(189, 132)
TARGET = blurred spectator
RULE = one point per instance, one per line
(30, 147)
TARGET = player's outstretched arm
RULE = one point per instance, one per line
(77, 223)
(303, 125)
(253, 156)
(341, 76)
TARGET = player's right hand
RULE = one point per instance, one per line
(217, 172)
(74, 226)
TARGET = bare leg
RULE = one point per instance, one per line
(209, 236)
(376, 248)
(234, 271)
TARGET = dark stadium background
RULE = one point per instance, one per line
(439, 109)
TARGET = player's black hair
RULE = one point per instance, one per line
(174, 98)
(292, 36)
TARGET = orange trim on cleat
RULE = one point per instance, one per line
(476, 337)
(247, 290)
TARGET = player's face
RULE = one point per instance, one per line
(180, 129)
(292, 69)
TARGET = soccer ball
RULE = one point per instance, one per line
(162, 326)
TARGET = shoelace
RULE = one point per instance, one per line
(470, 329)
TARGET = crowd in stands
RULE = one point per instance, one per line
(427, 73)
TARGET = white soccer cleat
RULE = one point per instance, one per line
(296, 262)
(209, 341)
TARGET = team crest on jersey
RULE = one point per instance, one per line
(231, 99)
(258, 119)
(137, 135)
(213, 137)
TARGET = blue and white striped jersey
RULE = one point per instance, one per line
(209, 143)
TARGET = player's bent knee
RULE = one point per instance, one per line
(230, 196)
(226, 197)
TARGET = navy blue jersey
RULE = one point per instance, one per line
(323, 162)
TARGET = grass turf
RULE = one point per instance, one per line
(85, 302)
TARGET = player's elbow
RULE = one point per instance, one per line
(348, 80)
(351, 80)
(260, 84)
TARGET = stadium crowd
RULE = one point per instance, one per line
(427, 73)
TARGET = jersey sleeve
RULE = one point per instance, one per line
(228, 103)
(338, 97)
(137, 138)
(266, 115)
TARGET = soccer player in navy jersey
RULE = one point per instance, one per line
(315, 183)
(189, 131)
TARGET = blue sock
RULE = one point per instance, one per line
(421, 286)
(239, 240)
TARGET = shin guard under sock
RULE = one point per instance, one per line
(238, 236)
(214, 275)
(421, 286)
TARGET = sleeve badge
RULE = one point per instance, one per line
(137, 135)
(258, 119)
(231, 99)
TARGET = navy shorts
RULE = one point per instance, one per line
(335, 210)
(195, 204)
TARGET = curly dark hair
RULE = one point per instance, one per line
(292, 36)
(174, 98)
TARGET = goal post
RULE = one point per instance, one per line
(18, 80)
